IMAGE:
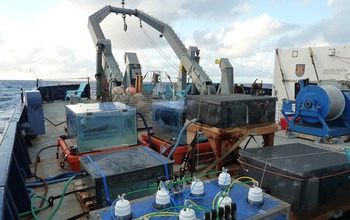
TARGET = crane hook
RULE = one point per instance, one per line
(140, 24)
(124, 17)
(125, 27)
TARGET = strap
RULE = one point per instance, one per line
(103, 179)
(160, 159)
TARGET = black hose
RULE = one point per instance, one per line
(147, 128)
(53, 123)
(168, 148)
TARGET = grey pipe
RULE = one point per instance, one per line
(180, 136)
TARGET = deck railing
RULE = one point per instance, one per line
(14, 167)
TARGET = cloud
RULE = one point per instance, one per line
(248, 44)
(54, 43)
(330, 30)
(243, 38)
(214, 11)
(1, 38)
(57, 41)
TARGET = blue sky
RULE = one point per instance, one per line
(52, 38)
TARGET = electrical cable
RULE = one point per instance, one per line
(218, 192)
(166, 190)
(41, 205)
(187, 196)
(53, 123)
(228, 190)
(60, 161)
(59, 155)
(61, 175)
(147, 129)
(126, 194)
(37, 177)
(167, 149)
(37, 160)
(53, 198)
(30, 192)
(38, 184)
(200, 208)
(45, 199)
(35, 210)
(180, 136)
(164, 143)
(45, 190)
(164, 212)
(156, 187)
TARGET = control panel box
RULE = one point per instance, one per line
(124, 171)
(271, 208)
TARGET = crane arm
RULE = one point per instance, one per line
(107, 68)
(187, 58)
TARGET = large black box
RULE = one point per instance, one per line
(228, 111)
(125, 171)
(306, 177)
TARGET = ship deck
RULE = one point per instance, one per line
(48, 165)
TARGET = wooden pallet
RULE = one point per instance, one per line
(86, 198)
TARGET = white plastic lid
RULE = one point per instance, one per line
(122, 208)
(226, 200)
(162, 197)
(197, 187)
(255, 195)
(187, 214)
(224, 179)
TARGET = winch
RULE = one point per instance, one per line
(320, 110)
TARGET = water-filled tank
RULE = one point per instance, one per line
(325, 101)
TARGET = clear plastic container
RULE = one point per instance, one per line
(168, 118)
(101, 125)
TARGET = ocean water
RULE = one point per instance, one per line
(10, 95)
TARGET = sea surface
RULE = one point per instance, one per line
(10, 95)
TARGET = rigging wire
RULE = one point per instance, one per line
(238, 64)
(130, 37)
(167, 59)
(342, 59)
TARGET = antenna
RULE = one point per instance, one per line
(37, 79)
